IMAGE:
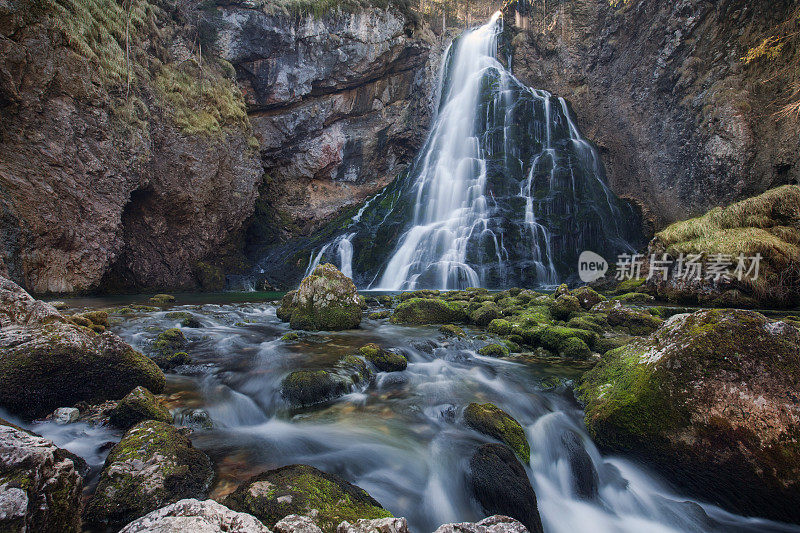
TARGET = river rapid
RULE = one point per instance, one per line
(400, 437)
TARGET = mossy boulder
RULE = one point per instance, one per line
(561, 340)
(384, 360)
(428, 311)
(565, 306)
(501, 486)
(303, 388)
(484, 314)
(451, 330)
(709, 399)
(290, 336)
(490, 420)
(326, 300)
(162, 298)
(500, 326)
(634, 297)
(386, 300)
(138, 406)
(169, 348)
(630, 320)
(40, 486)
(47, 362)
(380, 315)
(494, 350)
(587, 297)
(284, 310)
(304, 490)
(152, 466)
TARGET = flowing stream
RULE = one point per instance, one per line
(401, 437)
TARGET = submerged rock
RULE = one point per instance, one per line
(137, 406)
(40, 487)
(308, 387)
(490, 420)
(169, 349)
(47, 362)
(304, 490)
(195, 516)
(501, 486)
(493, 524)
(152, 466)
(384, 360)
(326, 300)
(711, 400)
(428, 311)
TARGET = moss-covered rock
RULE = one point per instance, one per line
(484, 314)
(40, 487)
(632, 321)
(290, 336)
(428, 311)
(326, 300)
(587, 297)
(634, 297)
(162, 298)
(304, 490)
(168, 349)
(559, 339)
(709, 399)
(384, 360)
(494, 350)
(284, 310)
(309, 387)
(385, 300)
(565, 306)
(380, 315)
(490, 420)
(152, 466)
(138, 406)
(451, 330)
(574, 348)
(47, 362)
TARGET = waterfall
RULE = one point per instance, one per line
(505, 191)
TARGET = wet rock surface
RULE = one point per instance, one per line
(40, 487)
(304, 490)
(153, 465)
(325, 300)
(195, 516)
(710, 398)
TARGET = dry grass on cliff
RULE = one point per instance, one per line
(768, 224)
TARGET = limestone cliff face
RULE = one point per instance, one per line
(109, 176)
(339, 103)
(682, 123)
(134, 153)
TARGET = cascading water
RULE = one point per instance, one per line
(504, 192)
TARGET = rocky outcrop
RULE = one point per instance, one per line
(493, 524)
(137, 406)
(326, 300)
(682, 122)
(304, 490)
(141, 160)
(339, 101)
(153, 465)
(710, 399)
(195, 516)
(501, 486)
(40, 487)
(48, 362)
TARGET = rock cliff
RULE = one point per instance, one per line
(683, 123)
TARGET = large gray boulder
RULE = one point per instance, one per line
(326, 300)
(40, 487)
(195, 516)
(46, 361)
(493, 524)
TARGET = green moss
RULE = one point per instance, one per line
(629, 285)
(484, 314)
(304, 490)
(290, 336)
(125, 492)
(494, 350)
(162, 298)
(565, 306)
(554, 337)
(450, 330)
(384, 360)
(380, 315)
(428, 311)
(634, 297)
(138, 406)
(490, 420)
(574, 348)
